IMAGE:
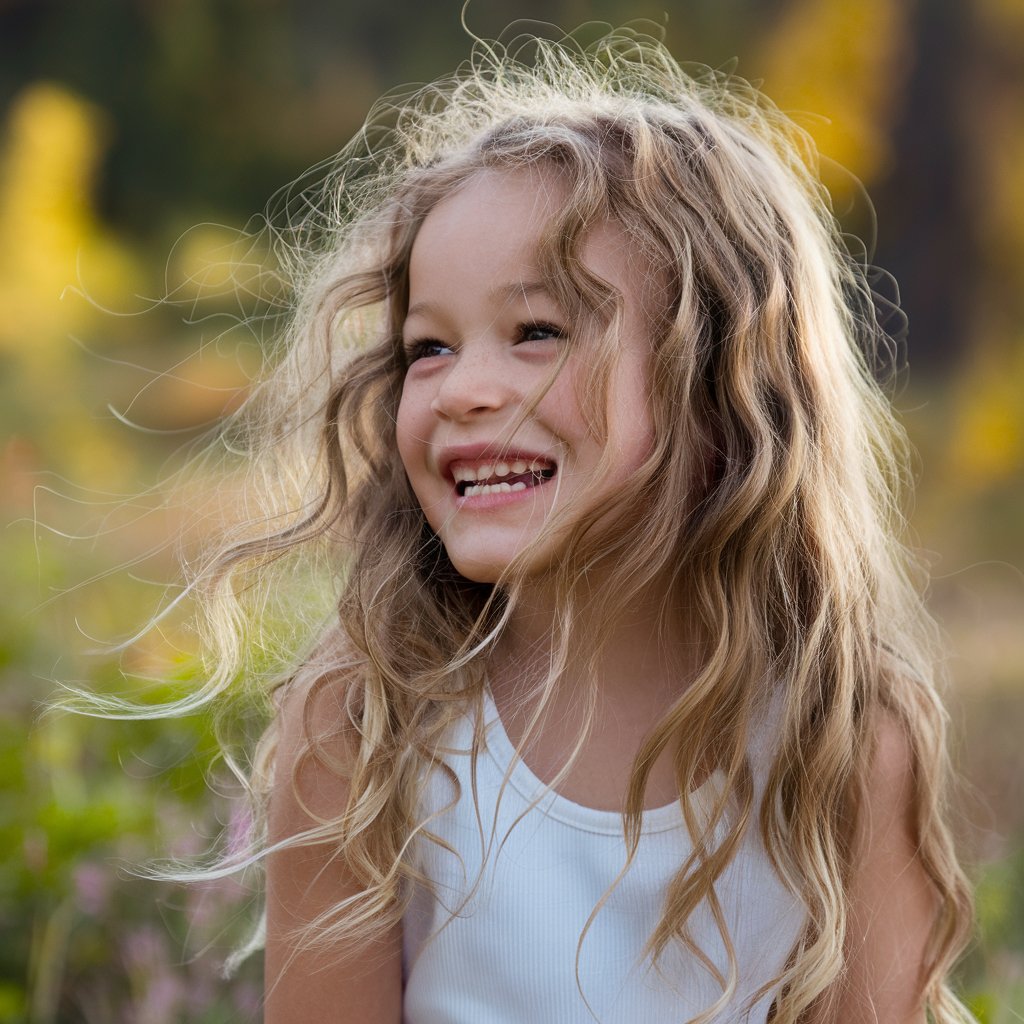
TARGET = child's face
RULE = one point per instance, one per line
(483, 336)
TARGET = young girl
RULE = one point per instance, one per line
(625, 708)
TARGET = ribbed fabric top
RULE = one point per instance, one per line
(498, 945)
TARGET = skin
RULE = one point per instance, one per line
(484, 338)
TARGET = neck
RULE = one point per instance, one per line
(636, 663)
(648, 651)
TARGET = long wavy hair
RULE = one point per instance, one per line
(771, 495)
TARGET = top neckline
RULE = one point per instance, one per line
(502, 753)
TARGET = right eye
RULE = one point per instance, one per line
(425, 348)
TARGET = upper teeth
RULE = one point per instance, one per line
(490, 470)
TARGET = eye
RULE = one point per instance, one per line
(539, 331)
(425, 348)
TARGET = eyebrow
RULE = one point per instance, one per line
(503, 292)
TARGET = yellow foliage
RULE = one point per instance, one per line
(50, 239)
(48, 230)
(987, 444)
(842, 63)
(205, 263)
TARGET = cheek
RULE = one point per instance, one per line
(635, 443)
(563, 406)
(631, 419)
(412, 438)
(572, 410)
(407, 428)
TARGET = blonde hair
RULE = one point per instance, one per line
(772, 488)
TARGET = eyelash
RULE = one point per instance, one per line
(423, 348)
(539, 325)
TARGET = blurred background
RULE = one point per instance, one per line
(136, 137)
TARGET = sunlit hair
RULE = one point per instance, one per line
(770, 498)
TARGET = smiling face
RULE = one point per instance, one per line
(484, 338)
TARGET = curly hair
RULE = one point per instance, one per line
(772, 490)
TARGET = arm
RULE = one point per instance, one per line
(892, 902)
(364, 987)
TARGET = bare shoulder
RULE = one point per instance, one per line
(892, 903)
(889, 782)
(316, 741)
(307, 879)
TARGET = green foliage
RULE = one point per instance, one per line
(994, 971)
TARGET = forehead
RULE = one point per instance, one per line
(495, 224)
(494, 220)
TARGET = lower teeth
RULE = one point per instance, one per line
(473, 490)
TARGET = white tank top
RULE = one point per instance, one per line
(500, 947)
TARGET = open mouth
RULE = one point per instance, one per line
(501, 477)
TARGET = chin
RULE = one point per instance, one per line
(478, 571)
(489, 567)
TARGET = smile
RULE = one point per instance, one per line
(500, 477)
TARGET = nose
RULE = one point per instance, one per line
(474, 382)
